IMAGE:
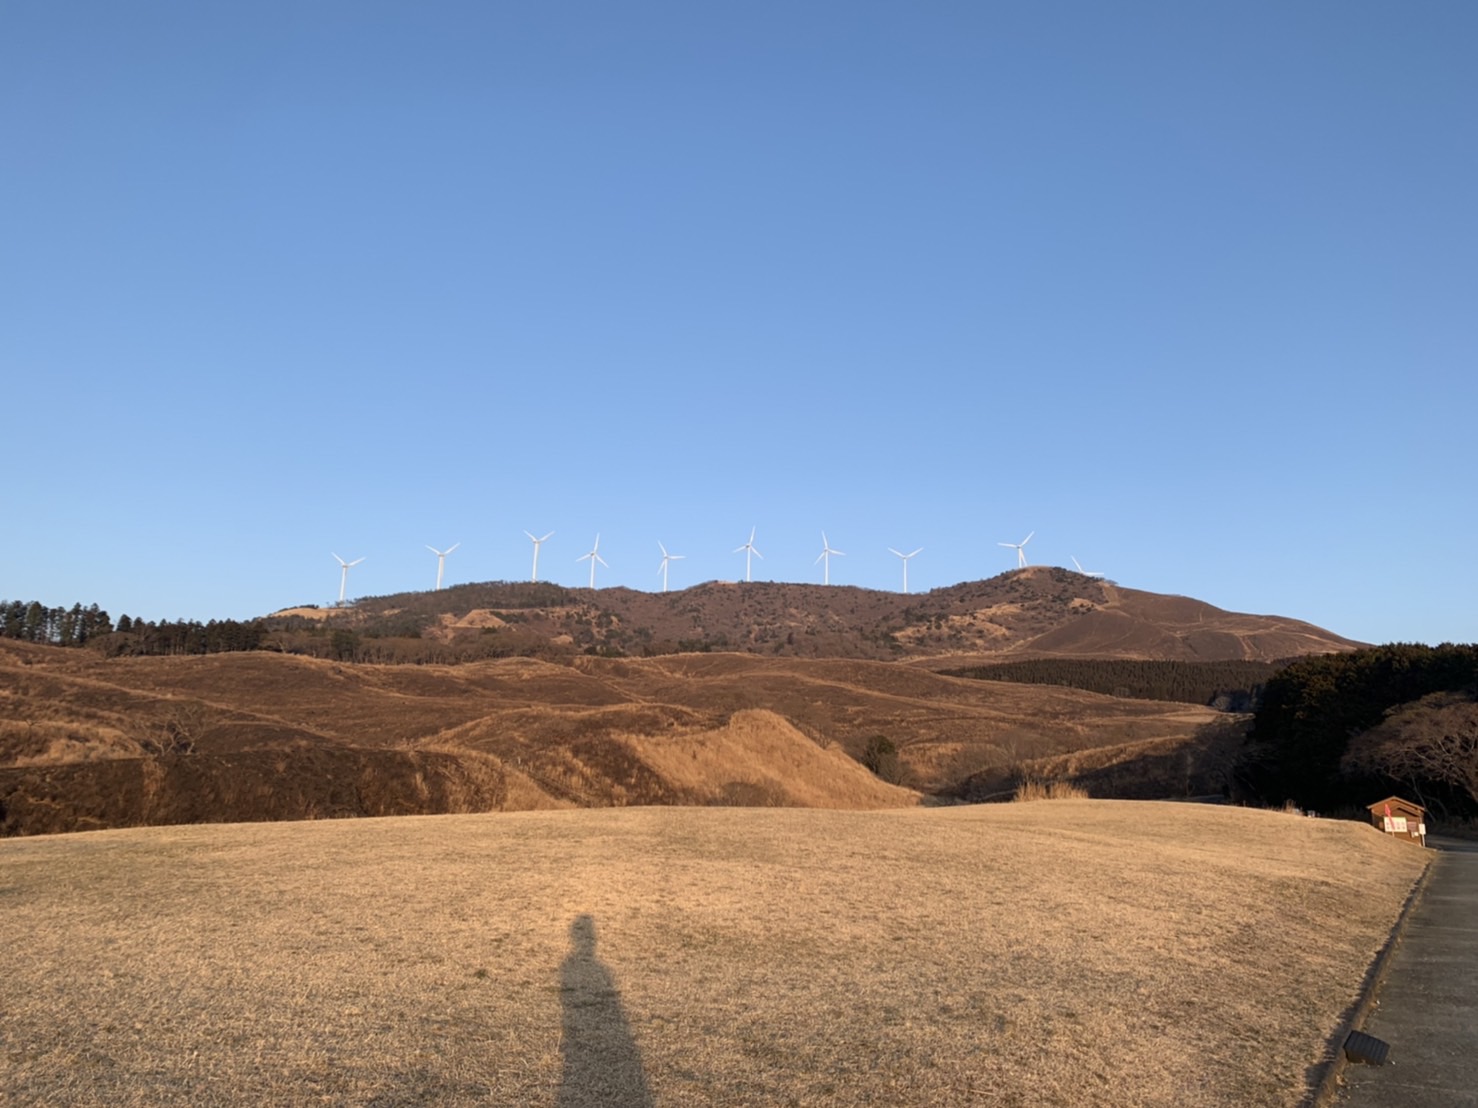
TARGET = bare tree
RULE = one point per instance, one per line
(1434, 740)
(176, 733)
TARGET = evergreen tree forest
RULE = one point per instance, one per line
(35, 622)
(1313, 707)
(1227, 686)
(91, 626)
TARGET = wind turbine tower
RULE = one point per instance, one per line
(749, 552)
(1020, 548)
(593, 557)
(344, 576)
(825, 555)
(905, 558)
(441, 560)
(666, 557)
(538, 543)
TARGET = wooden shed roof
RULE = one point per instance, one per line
(1401, 800)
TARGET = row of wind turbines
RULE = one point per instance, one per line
(748, 549)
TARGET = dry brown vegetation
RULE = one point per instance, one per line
(1074, 953)
(582, 729)
(1049, 790)
(1037, 611)
(680, 729)
(1198, 765)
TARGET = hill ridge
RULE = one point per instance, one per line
(1036, 611)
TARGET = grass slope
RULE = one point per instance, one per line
(580, 732)
(1073, 953)
(1036, 611)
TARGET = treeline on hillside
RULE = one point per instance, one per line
(344, 645)
(91, 626)
(143, 638)
(1312, 709)
(389, 638)
(34, 622)
(1228, 686)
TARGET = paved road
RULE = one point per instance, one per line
(1428, 1005)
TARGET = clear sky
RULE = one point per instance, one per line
(1188, 290)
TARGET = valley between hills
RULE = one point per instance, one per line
(785, 696)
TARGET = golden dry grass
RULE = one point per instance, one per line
(535, 713)
(1083, 952)
(1049, 790)
(763, 751)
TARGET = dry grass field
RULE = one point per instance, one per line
(1068, 952)
(66, 706)
(81, 734)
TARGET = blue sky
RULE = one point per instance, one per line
(1186, 289)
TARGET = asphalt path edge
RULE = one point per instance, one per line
(1329, 1085)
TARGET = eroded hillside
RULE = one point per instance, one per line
(683, 729)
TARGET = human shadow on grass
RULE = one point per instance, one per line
(602, 1065)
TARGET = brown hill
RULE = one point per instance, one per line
(1038, 611)
(684, 729)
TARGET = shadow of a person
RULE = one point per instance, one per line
(602, 1065)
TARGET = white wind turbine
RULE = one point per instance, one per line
(666, 557)
(441, 560)
(344, 577)
(592, 558)
(905, 558)
(538, 543)
(1084, 572)
(749, 552)
(825, 555)
(1019, 547)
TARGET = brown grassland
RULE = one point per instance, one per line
(1033, 612)
(88, 742)
(1073, 952)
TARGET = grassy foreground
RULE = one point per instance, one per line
(1072, 952)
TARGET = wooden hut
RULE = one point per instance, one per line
(1401, 819)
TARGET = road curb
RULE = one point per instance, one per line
(1375, 976)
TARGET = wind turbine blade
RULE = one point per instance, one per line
(758, 555)
(434, 550)
(840, 553)
(920, 550)
(530, 534)
(356, 561)
(547, 537)
(892, 551)
(677, 557)
(340, 560)
(662, 548)
(1027, 539)
(740, 549)
(817, 562)
(1012, 545)
(602, 561)
(453, 547)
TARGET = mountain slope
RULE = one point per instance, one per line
(677, 729)
(1036, 611)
